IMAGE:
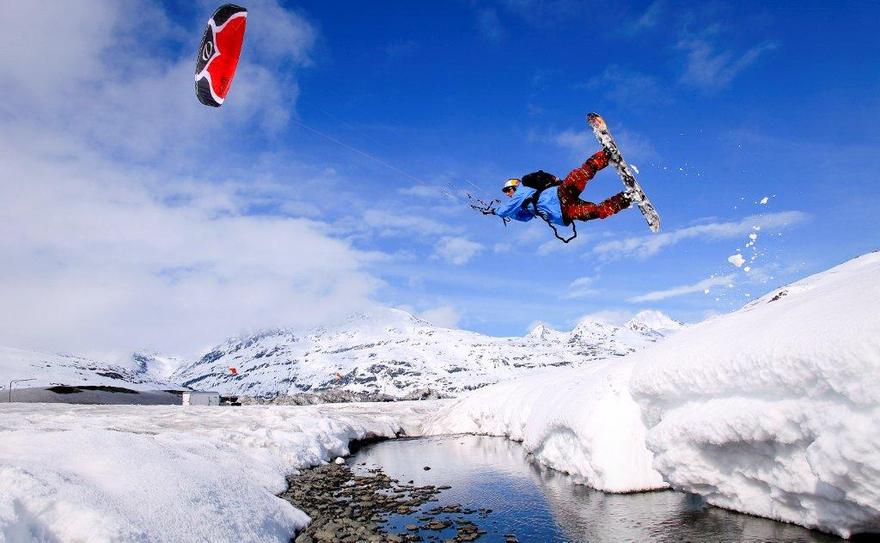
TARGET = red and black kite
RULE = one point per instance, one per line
(218, 54)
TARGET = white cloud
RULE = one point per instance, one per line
(141, 103)
(700, 286)
(103, 253)
(582, 287)
(553, 245)
(456, 250)
(101, 257)
(582, 144)
(635, 146)
(45, 47)
(489, 24)
(582, 282)
(279, 35)
(611, 316)
(708, 68)
(394, 223)
(650, 18)
(421, 191)
(628, 87)
(649, 245)
(444, 316)
(529, 232)
(578, 143)
(97, 260)
(548, 247)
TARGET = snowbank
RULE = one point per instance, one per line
(581, 421)
(774, 410)
(163, 473)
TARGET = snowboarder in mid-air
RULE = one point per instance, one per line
(540, 194)
(559, 202)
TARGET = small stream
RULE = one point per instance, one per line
(537, 504)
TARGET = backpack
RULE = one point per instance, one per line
(540, 180)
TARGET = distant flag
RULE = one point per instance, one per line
(233, 371)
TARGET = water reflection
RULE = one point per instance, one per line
(538, 504)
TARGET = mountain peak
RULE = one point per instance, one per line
(381, 317)
(651, 319)
(542, 331)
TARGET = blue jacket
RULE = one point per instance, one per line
(548, 205)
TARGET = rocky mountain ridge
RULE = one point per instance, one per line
(390, 352)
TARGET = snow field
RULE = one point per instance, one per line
(168, 473)
(773, 410)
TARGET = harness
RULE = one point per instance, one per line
(541, 181)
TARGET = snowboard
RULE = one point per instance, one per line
(600, 130)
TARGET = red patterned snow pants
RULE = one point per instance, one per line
(575, 209)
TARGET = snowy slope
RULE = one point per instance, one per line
(391, 352)
(775, 409)
(170, 473)
(141, 372)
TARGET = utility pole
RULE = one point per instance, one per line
(16, 381)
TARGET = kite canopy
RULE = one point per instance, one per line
(218, 54)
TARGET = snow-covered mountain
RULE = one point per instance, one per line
(391, 352)
(140, 372)
(654, 322)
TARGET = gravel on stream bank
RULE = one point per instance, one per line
(349, 507)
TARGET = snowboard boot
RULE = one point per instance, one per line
(633, 196)
(614, 205)
(612, 154)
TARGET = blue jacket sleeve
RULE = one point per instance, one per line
(513, 208)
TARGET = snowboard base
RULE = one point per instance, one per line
(600, 130)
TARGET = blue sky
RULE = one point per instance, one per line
(337, 163)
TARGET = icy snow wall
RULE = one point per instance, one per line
(581, 421)
(774, 410)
